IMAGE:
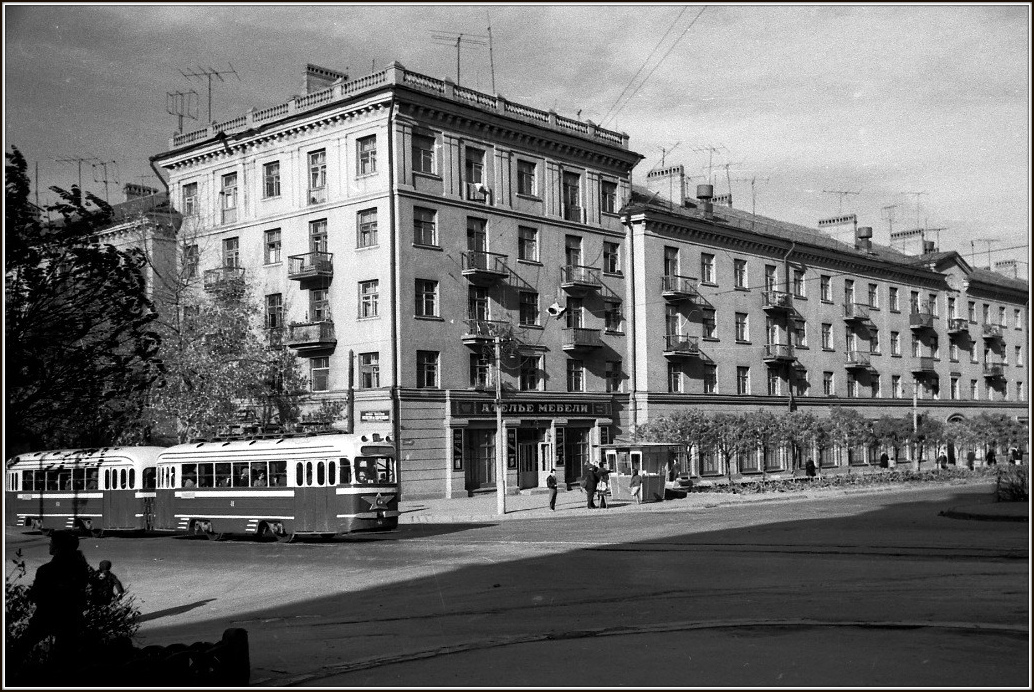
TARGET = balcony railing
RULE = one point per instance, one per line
(311, 336)
(993, 332)
(484, 267)
(778, 353)
(675, 287)
(858, 360)
(578, 338)
(958, 325)
(312, 265)
(926, 365)
(580, 278)
(856, 312)
(777, 301)
(681, 345)
(482, 331)
(573, 213)
(223, 277)
(920, 319)
(318, 195)
(994, 371)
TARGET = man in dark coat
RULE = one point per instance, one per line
(589, 481)
(59, 592)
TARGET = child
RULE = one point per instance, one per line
(105, 587)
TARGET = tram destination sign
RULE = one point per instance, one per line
(551, 409)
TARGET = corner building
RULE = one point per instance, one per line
(392, 226)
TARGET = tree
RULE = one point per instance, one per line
(892, 431)
(760, 428)
(796, 429)
(80, 342)
(848, 428)
(725, 434)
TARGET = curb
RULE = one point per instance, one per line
(956, 514)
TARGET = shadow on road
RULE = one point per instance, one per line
(175, 611)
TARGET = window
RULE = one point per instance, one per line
(273, 246)
(426, 369)
(742, 329)
(473, 171)
(369, 370)
(707, 268)
(575, 313)
(771, 282)
(529, 308)
(190, 206)
(913, 301)
(742, 380)
(530, 379)
(271, 179)
(368, 293)
(319, 305)
(571, 195)
(425, 226)
(953, 352)
(611, 258)
(825, 291)
(708, 323)
(827, 384)
(228, 195)
(774, 383)
(892, 299)
(935, 347)
(1019, 355)
(672, 320)
(852, 386)
(366, 227)
(827, 336)
(612, 376)
(231, 252)
(426, 298)
(971, 312)
(319, 374)
(480, 370)
(477, 303)
(931, 304)
(612, 317)
(575, 376)
(1019, 390)
(1017, 319)
(527, 244)
(895, 344)
(525, 178)
(366, 155)
(423, 154)
(799, 285)
(274, 311)
(318, 176)
(874, 341)
(1001, 317)
(739, 273)
(850, 339)
(915, 347)
(573, 250)
(608, 197)
(710, 379)
(800, 332)
(671, 261)
(974, 392)
(477, 235)
(874, 386)
(318, 235)
(951, 308)
(953, 388)
(191, 260)
(972, 353)
(849, 291)
(895, 386)
(874, 296)
(675, 377)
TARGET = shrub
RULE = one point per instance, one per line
(1011, 484)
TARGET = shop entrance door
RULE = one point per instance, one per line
(527, 465)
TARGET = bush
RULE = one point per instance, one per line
(855, 480)
(1011, 484)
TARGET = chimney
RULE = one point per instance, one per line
(705, 193)
(669, 183)
(1008, 268)
(723, 200)
(928, 247)
(863, 238)
(136, 191)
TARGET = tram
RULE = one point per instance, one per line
(278, 487)
(83, 490)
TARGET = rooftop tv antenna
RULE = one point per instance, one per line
(917, 196)
(104, 166)
(711, 151)
(182, 104)
(888, 214)
(491, 59)
(753, 180)
(842, 193)
(79, 160)
(728, 179)
(210, 73)
(459, 41)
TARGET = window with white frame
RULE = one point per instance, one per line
(570, 189)
(477, 303)
(190, 204)
(895, 387)
(1017, 318)
(427, 369)
(771, 281)
(953, 387)
(774, 383)
(426, 291)
(825, 289)
(742, 327)
(529, 308)
(710, 379)
(612, 376)
(1001, 317)
(318, 176)
(874, 386)
(527, 244)
(425, 226)
(874, 296)
(272, 246)
(742, 379)
(366, 155)
(952, 309)
(895, 344)
(274, 311)
(707, 274)
(530, 377)
(675, 376)
(319, 305)
(848, 291)
(799, 284)
(739, 273)
(827, 384)
(191, 260)
(366, 228)
(800, 333)
(231, 252)
(608, 197)
(892, 299)
(228, 195)
(852, 385)
(423, 154)
(671, 261)
(611, 258)
(1019, 390)
(473, 170)
(953, 351)
(370, 370)
(575, 376)
(827, 336)
(271, 179)
(480, 370)
(874, 341)
(613, 320)
(319, 374)
(526, 178)
(1019, 355)
(369, 292)
(708, 323)
(974, 392)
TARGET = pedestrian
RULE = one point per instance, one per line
(809, 469)
(884, 460)
(105, 587)
(551, 484)
(942, 461)
(635, 484)
(589, 481)
(59, 593)
(990, 459)
(603, 486)
(971, 458)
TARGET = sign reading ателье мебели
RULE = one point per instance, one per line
(592, 409)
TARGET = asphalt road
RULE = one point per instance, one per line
(863, 590)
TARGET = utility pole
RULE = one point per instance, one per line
(500, 434)
(210, 73)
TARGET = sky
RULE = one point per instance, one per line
(923, 111)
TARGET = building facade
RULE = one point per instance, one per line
(398, 229)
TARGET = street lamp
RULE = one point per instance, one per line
(500, 437)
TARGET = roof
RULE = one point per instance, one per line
(939, 259)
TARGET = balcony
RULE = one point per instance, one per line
(778, 353)
(482, 332)
(925, 366)
(858, 360)
(483, 268)
(777, 301)
(993, 332)
(317, 195)
(573, 213)
(681, 346)
(576, 278)
(312, 265)
(857, 312)
(223, 278)
(918, 320)
(580, 339)
(958, 326)
(994, 371)
(311, 336)
(675, 287)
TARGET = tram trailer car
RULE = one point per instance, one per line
(279, 487)
(84, 490)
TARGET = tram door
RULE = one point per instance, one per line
(313, 499)
(527, 464)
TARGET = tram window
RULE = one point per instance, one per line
(308, 473)
(92, 476)
(149, 476)
(320, 474)
(241, 476)
(278, 473)
(331, 473)
(27, 480)
(365, 471)
(298, 474)
(172, 476)
(346, 471)
(205, 478)
(258, 474)
(132, 478)
(122, 478)
(189, 475)
(41, 478)
(223, 474)
(78, 479)
(386, 469)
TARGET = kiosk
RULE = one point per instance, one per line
(655, 460)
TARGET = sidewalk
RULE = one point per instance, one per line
(483, 507)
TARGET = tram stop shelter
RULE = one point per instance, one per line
(655, 460)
